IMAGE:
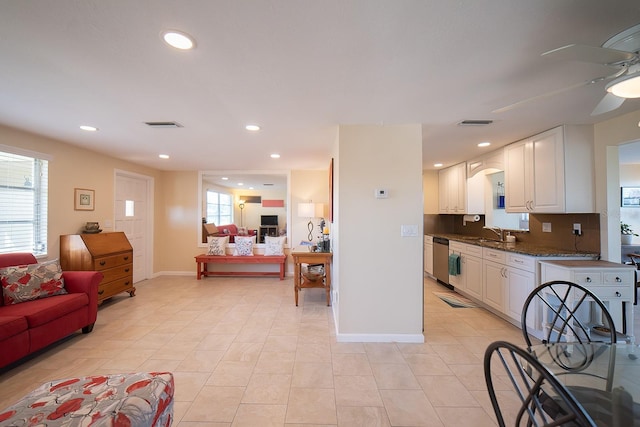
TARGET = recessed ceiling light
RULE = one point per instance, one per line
(224, 178)
(89, 128)
(484, 144)
(163, 156)
(178, 39)
(437, 165)
(275, 156)
(241, 184)
(250, 188)
(252, 128)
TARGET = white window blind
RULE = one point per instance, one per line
(23, 203)
(219, 208)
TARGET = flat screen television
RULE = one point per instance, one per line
(269, 220)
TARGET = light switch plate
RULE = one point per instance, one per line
(546, 227)
(408, 230)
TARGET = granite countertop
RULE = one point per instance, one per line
(518, 247)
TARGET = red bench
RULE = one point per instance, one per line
(202, 260)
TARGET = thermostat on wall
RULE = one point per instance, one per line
(381, 193)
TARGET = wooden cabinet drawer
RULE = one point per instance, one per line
(117, 272)
(106, 262)
(106, 290)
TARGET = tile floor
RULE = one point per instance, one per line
(244, 355)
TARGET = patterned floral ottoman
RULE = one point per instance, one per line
(140, 399)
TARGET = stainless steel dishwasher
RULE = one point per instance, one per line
(441, 260)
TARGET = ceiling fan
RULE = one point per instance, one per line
(621, 52)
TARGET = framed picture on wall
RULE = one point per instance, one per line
(84, 200)
(630, 197)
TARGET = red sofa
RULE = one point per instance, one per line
(30, 326)
(230, 230)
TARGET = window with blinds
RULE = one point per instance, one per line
(219, 208)
(23, 203)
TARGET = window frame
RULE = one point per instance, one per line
(40, 215)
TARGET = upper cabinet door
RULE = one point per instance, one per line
(551, 172)
(518, 176)
(548, 172)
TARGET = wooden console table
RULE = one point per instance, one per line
(301, 282)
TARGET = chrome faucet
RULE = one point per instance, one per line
(496, 230)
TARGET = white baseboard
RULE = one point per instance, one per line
(173, 273)
(404, 338)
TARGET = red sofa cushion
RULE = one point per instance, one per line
(12, 325)
(228, 229)
(41, 311)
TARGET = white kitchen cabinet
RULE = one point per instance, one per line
(521, 281)
(551, 172)
(473, 276)
(454, 196)
(452, 189)
(508, 278)
(613, 283)
(428, 255)
(469, 281)
(494, 278)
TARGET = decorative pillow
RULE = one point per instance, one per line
(29, 282)
(217, 245)
(274, 245)
(244, 246)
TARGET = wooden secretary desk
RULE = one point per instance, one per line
(109, 253)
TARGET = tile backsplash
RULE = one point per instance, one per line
(561, 235)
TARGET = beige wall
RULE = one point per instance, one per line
(608, 135)
(72, 167)
(378, 276)
(430, 190)
(176, 215)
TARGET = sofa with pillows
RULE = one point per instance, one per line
(230, 230)
(40, 304)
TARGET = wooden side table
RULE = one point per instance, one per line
(301, 282)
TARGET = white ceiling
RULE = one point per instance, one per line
(298, 68)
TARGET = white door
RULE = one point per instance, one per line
(133, 208)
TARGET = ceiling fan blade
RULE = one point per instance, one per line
(547, 94)
(608, 103)
(584, 53)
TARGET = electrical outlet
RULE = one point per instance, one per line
(546, 227)
(577, 229)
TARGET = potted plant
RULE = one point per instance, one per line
(626, 233)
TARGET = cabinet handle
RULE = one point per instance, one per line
(618, 294)
(126, 258)
(126, 270)
(618, 279)
(126, 283)
(588, 280)
(100, 292)
(518, 261)
(103, 262)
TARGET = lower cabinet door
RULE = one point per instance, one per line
(494, 280)
(520, 285)
(473, 276)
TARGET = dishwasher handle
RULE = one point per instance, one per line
(441, 241)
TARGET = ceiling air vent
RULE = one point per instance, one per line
(163, 124)
(475, 122)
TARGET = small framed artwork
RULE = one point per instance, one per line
(630, 197)
(84, 200)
